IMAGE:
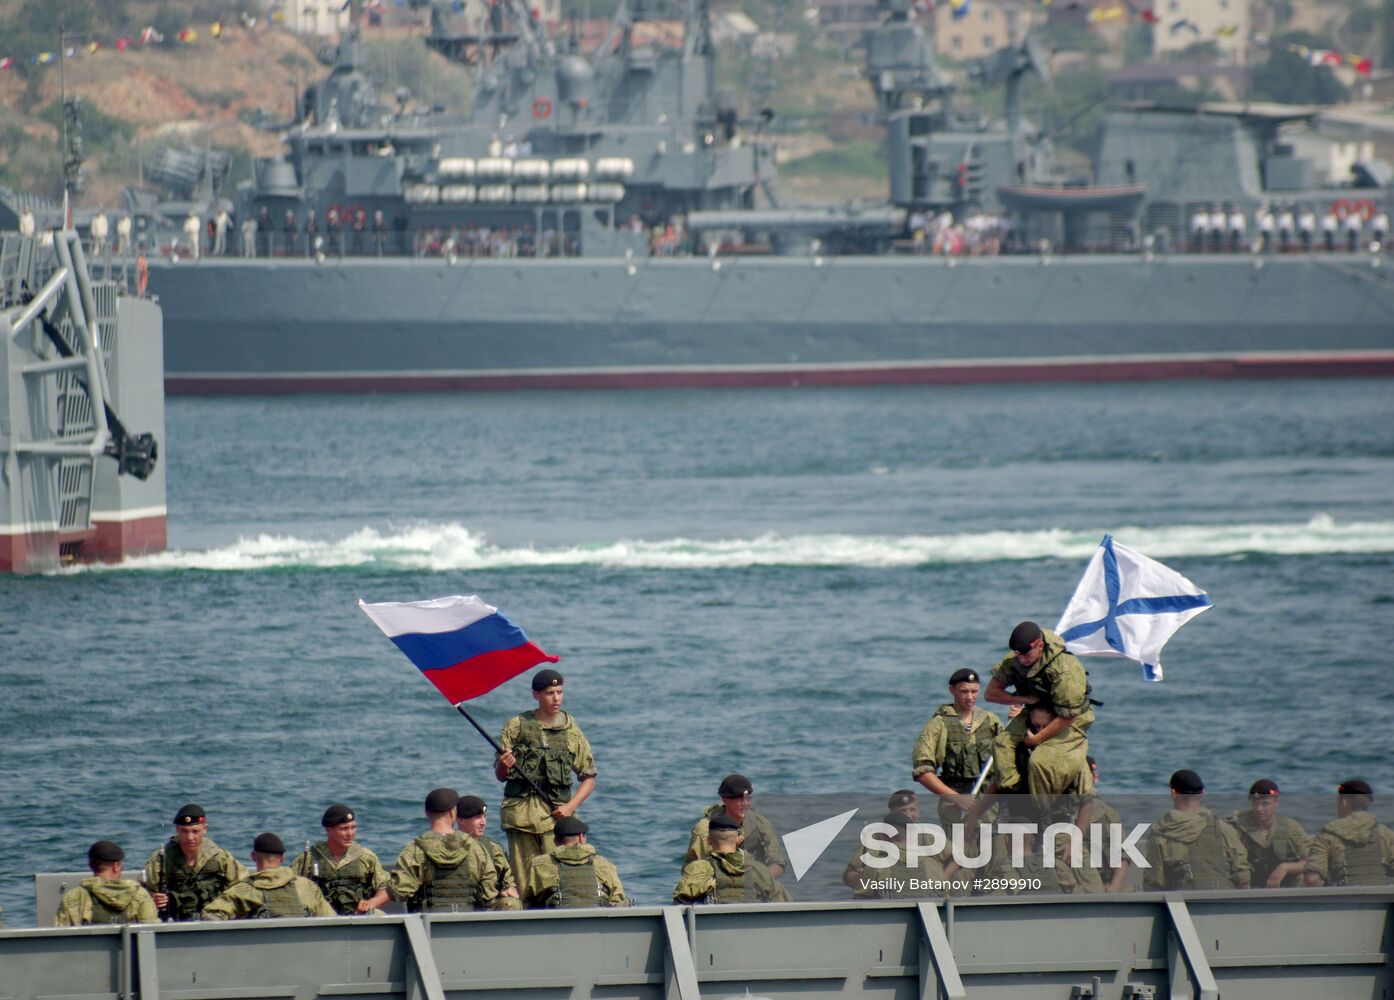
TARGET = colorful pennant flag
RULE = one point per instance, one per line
(1111, 12)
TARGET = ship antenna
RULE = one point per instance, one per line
(63, 104)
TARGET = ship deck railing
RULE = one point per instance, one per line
(1331, 943)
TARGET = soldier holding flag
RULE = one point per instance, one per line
(467, 648)
(542, 750)
(1040, 671)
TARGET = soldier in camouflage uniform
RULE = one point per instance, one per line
(273, 890)
(1190, 847)
(573, 875)
(1276, 845)
(1040, 670)
(349, 875)
(105, 898)
(727, 874)
(1110, 825)
(547, 746)
(1354, 848)
(758, 837)
(443, 871)
(954, 745)
(857, 873)
(928, 877)
(472, 819)
(190, 871)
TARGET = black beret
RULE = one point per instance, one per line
(470, 805)
(721, 821)
(188, 815)
(1264, 786)
(733, 786)
(901, 798)
(966, 674)
(1355, 786)
(336, 814)
(1187, 783)
(570, 826)
(105, 851)
(441, 800)
(268, 843)
(544, 679)
(1023, 636)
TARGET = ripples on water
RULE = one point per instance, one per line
(772, 582)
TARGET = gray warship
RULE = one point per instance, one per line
(597, 220)
(79, 482)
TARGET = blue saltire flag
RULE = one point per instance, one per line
(1128, 605)
(463, 646)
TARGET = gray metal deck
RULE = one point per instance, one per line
(1331, 944)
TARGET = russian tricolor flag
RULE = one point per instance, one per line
(463, 646)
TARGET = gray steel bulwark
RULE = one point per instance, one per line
(1285, 943)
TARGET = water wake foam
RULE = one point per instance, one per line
(453, 547)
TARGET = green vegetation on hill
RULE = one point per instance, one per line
(863, 158)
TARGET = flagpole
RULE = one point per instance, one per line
(460, 707)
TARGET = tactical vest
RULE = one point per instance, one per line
(965, 753)
(1033, 867)
(1263, 858)
(445, 890)
(1200, 864)
(283, 901)
(1357, 864)
(900, 870)
(190, 888)
(344, 887)
(544, 757)
(1038, 686)
(729, 888)
(104, 914)
(578, 886)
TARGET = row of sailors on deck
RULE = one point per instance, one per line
(1344, 224)
(454, 867)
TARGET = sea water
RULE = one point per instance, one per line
(772, 582)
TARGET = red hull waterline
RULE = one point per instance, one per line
(108, 541)
(1352, 365)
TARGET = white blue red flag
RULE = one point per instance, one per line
(1128, 605)
(463, 646)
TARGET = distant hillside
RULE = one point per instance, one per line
(209, 91)
(206, 92)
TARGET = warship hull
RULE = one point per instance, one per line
(1275, 944)
(64, 494)
(368, 324)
